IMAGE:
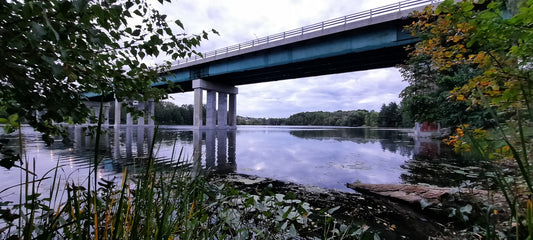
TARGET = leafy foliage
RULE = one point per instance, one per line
(54, 54)
(354, 118)
(167, 113)
(389, 115)
(427, 98)
(484, 36)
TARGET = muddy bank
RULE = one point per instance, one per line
(392, 218)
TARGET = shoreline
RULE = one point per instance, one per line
(393, 219)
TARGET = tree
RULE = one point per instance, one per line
(54, 53)
(167, 113)
(426, 99)
(389, 115)
(485, 36)
(371, 119)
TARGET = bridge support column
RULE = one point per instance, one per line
(151, 112)
(129, 118)
(232, 111)
(198, 106)
(210, 118)
(117, 113)
(107, 106)
(140, 119)
(95, 110)
(222, 110)
(199, 85)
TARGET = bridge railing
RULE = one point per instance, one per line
(368, 14)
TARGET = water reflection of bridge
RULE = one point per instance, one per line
(131, 144)
(219, 147)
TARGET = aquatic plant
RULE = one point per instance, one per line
(174, 203)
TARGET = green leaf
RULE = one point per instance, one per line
(292, 231)
(129, 4)
(332, 210)
(468, 6)
(168, 31)
(13, 118)
(287, 213)
(178, 22)
(37, 29)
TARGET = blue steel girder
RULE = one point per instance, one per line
(374, 46)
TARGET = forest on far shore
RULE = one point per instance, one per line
(390, 115)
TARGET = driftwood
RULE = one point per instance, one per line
(428, 195)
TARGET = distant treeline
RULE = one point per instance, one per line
(389, 116)
(167, 113)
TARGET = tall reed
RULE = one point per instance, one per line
(170, 203)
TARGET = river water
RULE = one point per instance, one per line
(327, 157)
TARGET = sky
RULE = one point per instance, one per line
(239, 21)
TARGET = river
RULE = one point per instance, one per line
(327, 157)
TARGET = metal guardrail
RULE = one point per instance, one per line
(368, 14)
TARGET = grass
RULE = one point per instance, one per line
(173, 204)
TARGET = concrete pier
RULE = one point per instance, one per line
(118, 106)
(151, 112)
(216, 118)
(232, 111)
(198, 106)
(210, 114)
(94, 108)
(222, 110)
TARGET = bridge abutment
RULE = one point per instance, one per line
(222, 118)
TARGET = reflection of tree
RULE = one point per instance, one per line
(437, 164)
(358, 135)
(395, 142)
(168, 136)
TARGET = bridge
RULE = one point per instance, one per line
(361, 41)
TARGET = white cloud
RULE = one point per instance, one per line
(242, 20)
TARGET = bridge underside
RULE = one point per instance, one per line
(377, 46)
(380, 58)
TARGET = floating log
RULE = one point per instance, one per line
(425, 195)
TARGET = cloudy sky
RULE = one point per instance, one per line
(243, 20)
